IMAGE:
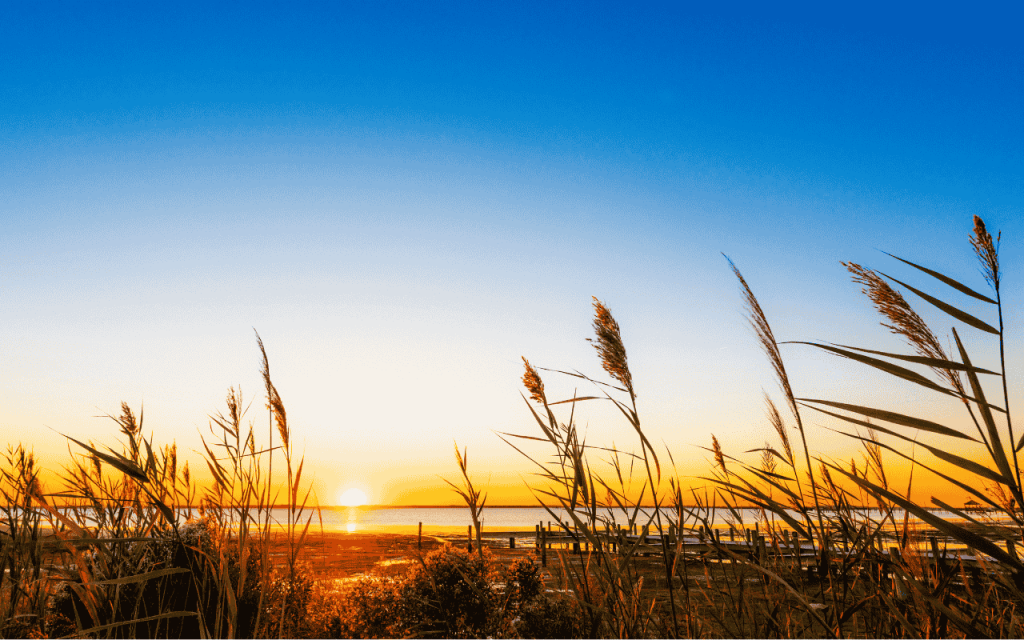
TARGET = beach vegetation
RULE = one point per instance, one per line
(129, 544)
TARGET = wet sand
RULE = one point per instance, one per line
(340, 555)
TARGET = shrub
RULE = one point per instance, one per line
(369, 608)
(450, 594)
(550, 617)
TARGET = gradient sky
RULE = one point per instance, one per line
(404, 198)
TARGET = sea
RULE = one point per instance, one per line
(454, 520)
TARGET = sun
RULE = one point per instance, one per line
(352, 498)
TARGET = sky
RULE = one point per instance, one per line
(404, 199)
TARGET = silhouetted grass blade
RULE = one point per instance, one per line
(962, 316)
(122, 464)
(965, 536)
(997, 445)
(895, 418)
(946, 279)
(936, 363)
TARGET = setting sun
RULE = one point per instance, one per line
(352, 498)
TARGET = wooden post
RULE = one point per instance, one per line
(732, 534)
(469, 535)
(543, 548)
(419, 538)
(512, 542)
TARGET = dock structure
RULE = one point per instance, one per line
(708, 545)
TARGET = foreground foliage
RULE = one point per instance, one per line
(873, 561)
(129, 546)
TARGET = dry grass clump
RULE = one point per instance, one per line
(126, 547)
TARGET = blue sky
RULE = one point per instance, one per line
(405, 198)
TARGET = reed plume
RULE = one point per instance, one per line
(533, 383)
(609, 346)
(719, 456)
(987, 252)
(903, 320)
(780, 428)
(274, 403)
(759, 322)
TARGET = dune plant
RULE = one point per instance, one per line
(837, 548)
(877, 574)
(469, 494)
(607, 584)
(124, 549)
(24, 578)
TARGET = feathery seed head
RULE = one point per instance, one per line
(767, 459)
(274, 402)
(827, 477)
(719, 457)
(780, 428)
(610, 347)
(533, 383)
(987, 252)
(904, 320)
(759, 322)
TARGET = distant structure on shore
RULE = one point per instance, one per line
(971, 505)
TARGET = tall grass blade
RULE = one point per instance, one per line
(936, 363)
(965, 536)
(115, 625)
(141, 577)
(895, 418)
(120, 463)
(997, 445)
(969, 489)
(946, 279)
(962, 316)
(963, 463)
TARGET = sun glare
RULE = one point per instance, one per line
(352, 498)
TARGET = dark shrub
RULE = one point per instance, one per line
(450, 595)
(522, 583)
(550, 616)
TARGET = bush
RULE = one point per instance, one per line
(452, 594)
(550, 617)
(370, 608)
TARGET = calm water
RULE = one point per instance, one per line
(453, 520)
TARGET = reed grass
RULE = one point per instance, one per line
(131, 546)
(837, 550)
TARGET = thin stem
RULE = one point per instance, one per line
(657, 514)
(1006, 394)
